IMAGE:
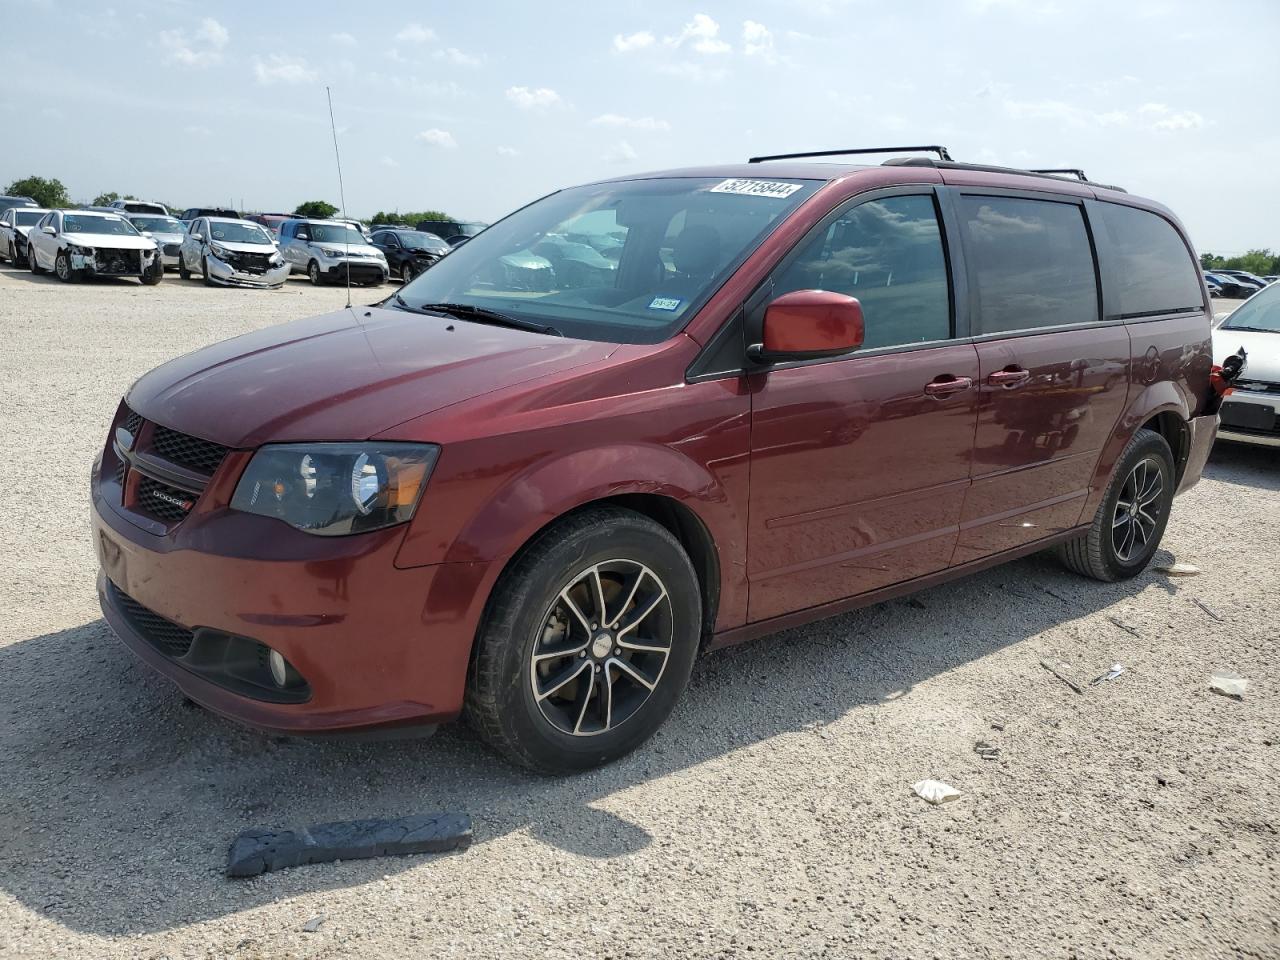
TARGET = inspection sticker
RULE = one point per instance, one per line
(665, 303)
(757, 188)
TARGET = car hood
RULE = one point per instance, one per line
(109, 241)
(1263, 350)
(246, 247)
(347, 375)
(356, 249)
(168, 237)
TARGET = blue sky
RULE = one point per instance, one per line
(478, 108)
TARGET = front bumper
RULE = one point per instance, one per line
(363, 269)
(1251, 416)
(225, 273)
(377, 646)
(113, 262)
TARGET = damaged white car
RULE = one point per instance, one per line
(75, 244)
(231, 252)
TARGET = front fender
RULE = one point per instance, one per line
(1156, 398)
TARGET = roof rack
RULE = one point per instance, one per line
(1069, 171)
(942, 153)
(987, 168)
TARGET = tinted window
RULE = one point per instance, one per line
(887, 253)
(1154, 272)
(1032, 263)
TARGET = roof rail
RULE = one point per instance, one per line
(1069, 171)
(942, 153)
(987, 168)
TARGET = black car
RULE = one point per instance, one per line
(1233, 288)
(453, 232)
(409, 252)
(191, 213)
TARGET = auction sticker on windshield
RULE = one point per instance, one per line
(757, 188)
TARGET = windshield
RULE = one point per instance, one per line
(330, 233)
(1259, 312)
(88, 223)
(423, 241)
(157, 224)
(26, 218)
(470, 229)
(625, 262)
(237, 232)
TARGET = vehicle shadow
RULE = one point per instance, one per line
(120, 799)
(9, 272)
(1245, 464)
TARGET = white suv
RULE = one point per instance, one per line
(326, 249)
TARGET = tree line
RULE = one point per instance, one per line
(52, 193)
(1262, 262)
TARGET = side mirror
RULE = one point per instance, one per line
(147, 233)
(49, 230)
(807, 325)
(197, 236)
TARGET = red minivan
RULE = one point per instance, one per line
(642, 418)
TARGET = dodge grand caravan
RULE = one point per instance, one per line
(532, 498)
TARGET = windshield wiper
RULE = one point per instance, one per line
(465, 311)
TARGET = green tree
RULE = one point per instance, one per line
(410, 218)
(47, 193)
(106, 199)
(1260, 262)
(315, 208)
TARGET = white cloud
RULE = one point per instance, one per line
(527, 99)
(345, 39)
(389, 162)
(416, 33)
(508, 152)
(622, 152)
(457, 57)
(633, 41)
(634, 123)
(437, 138)
(1166, 118)
(278, 68)
(696, 72)
(204, 50)
(702, 33)
(1059, 111)
(757, 41)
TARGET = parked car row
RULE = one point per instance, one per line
(1235, 284)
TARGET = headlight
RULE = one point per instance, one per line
(276, 260)
(330, 253)
(83, 251)
(219, 251)
(332, 489)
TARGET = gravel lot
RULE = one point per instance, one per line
(771, 817)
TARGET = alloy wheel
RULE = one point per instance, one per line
(62, 267)
(1137, 513)
(602, 648)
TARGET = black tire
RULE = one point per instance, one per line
(204, 272)
(406, 271)
(19, 258)
(155, 274)
(501, 703)
(62, 268)
(183, 272)
(313, 273)
(1119, 547)
(31, 261)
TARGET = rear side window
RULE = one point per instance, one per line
(1032, 263)
(888, 253)
(1154, 272)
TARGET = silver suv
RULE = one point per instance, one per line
(325, 250)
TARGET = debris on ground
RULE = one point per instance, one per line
(312, 925)
(1125, 627)
(1115, 671)
(986, 751)
(1179, 569)
(1063, 673)
(998, 723)
(261, 851)
(1228, 684)
(935, 791)
(1206, 608)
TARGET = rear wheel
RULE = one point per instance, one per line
(587, 644)
(1130, 521)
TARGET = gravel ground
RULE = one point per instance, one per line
(772, 816)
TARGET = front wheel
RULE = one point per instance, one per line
(204, 271)
(1130, 521)
(313, 272)
(183, 272)
(406, 271)
(153, 276)
(62, 267)
(19, 257)
(587, 643)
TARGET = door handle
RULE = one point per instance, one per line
(1009, 378)
(944, 386)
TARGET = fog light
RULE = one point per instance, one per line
(279, 669)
